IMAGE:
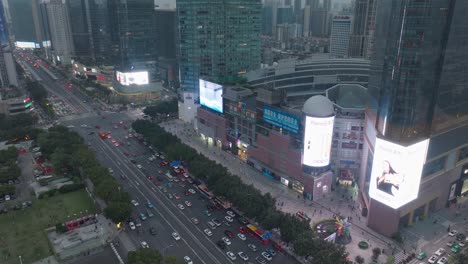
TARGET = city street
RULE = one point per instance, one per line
(168, 218)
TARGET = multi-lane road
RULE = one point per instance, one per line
(168, 218)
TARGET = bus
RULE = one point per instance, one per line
(204, 190)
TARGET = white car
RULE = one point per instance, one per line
(433, 259)
(192, 191)
(181, 207)
(266, 256)
(144, 244)
(231, 255)
(241, 236)
(208, 232)
(132, 225)
(252, 247)
(188, 203)
(440, 252)
(176, 236)
(226, 240)
(228, 218)
(453, 233)
(243, 256)
(139, 166)
(231, 213)
(135, 203)
(462, 244)
(188, 260)
(442, 260)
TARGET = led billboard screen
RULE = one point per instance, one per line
(281, 119)
(396, 172)
(317, 141)
(25, 45)
(132, 78)
(211, 95)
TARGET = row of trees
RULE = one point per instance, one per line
(69, 155)
(39, 94)
(9, 170)
(163, 108)
(20, 126)
(255, 205)
(150, 256)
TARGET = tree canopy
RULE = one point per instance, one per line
(162, 108)
(144, 256)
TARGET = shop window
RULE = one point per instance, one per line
(434, 166)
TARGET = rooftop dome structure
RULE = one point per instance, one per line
(318, 106)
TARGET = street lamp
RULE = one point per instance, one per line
(20, 259)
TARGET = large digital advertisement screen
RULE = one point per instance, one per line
(396, 172)
(25, 45)
(317, 141)
(132, 78)
(281, 119)
(211, 95)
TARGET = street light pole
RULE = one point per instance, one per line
(20, 259)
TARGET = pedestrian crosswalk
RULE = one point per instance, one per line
(401, 256)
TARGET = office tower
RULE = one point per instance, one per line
(267, 20)
(298, 10)
(166, 31)
(22, 19)
(8, 75)
(60, 30)
(361, 39)
(218, 40)
(316, 19)
(285, 15)
(136, 31)
(306, 22)
(104, 49)
(339, 39)
(417, 113)
(81, 28)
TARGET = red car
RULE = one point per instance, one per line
(164, 163)
(149, 177)
(229, 233)
(98, 127)
(242, 229)
(187, 193)
(176, 196)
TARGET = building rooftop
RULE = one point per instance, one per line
(318, 106)
(350, 96)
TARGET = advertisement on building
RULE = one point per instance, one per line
(396, 172)
(211, 95)
(132, 78)
(25, 45)
(281, 119)
(317, 141)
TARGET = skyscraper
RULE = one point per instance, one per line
(81, 28)
(339, 39)
(361, 39)
(8, 75)
(418, 107)
(60, 30)
(218, 40)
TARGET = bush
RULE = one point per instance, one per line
(60, 228)
(71, 187)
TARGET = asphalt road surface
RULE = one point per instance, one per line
(168, 218)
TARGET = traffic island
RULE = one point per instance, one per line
(363, 245)
(334, 230)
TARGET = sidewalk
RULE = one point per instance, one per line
(341, 201)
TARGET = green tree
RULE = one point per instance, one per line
(172, 260)
(359, 259)
(304, 245)
(376, 253)
(144, 256)
(118, 211)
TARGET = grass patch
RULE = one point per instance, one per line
(22, 232)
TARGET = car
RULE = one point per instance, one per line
(150, 214)
(164, 163)
(231, 213)
(229, 234)
(460, 237)
(188, 203)
(208, 232)
(266, 256)
(181, 207)
(241, 236)
(442, 260)
(132, 225)
(243, 256)
(149, 177)
(192, 191)
(207, 213)
(144, 244)
(462, 243)
(440, 252)
(187, 193)
(216, 222)
(226, 223)
(260, 260)
(242, 229)
(421, 255)
(139, 166)
(170, 196)
(226, 240)
(450, 244)
(149, 204)
(221, 244)
(176, 196)
(111, 170)
(143, 216)
(176, 236)
(135, 203)
(456, 248)
(253, 247)
(271, 251)
(231, 255)
(137, 223)
(228, 218)
(453, 233)
(181, 184)
(195, 220)
(164, 189)
(188, 260)
(211, 225)
(243, 221)
(153, 231)
(7, 197)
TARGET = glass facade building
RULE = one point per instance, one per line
(218, 40)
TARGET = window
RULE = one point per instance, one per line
(434, 166)
(463, 154)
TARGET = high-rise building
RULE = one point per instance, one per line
(81, 28)
(166, 31)
(415, 155)
(100, 14)
(316, 19)
(339, 39)
(60, 30)
(218, 40)
(8, 75)
(22, 19)
(361, 39)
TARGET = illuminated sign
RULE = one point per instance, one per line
(27, 105)
(281, 119)
(396, 172)
(25, 45)
(132, 78)
(211, 95)
(27, 100)
(317, 141)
